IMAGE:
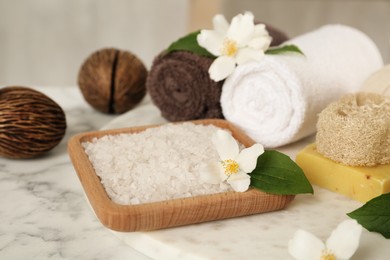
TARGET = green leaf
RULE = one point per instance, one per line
(189, 43)
(284, 49)
(276, 173)
(375, 215)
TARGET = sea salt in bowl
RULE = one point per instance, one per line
(146, 178)
(166, 166)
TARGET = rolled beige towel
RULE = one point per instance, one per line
(378, 82)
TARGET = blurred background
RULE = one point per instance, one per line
(44, 42)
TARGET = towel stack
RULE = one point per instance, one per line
(180, 86)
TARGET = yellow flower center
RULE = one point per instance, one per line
(327, 255)
(230, 166)
(229, 48)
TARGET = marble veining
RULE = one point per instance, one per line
(263, 236)
(44, 213)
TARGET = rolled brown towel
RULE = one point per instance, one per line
(278, 37)
(180, 86)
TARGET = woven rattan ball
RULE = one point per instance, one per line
(112, 81)
(30, 123)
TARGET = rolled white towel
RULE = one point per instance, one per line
(276, 100)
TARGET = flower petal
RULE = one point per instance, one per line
(239, 181)
(305, 246)
(221, 68)
(220, 24)
(247, 159)
(344, 240)
(260, 30)
(248, 54)
(226, 145)
(212, 173)
(241, 29)
(239, 175)
(260, 43)
(211, 41)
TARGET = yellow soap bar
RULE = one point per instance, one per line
(359, 183)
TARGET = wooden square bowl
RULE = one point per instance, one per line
(169, 213)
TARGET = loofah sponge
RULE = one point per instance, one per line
(356, 130)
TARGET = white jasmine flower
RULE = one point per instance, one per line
(234, 165)
(237, 43)
(342, 243)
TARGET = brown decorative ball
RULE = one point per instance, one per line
(112, 81)
(30, 123)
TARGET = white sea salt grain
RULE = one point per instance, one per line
(157, 164)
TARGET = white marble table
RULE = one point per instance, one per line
(44, 213)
